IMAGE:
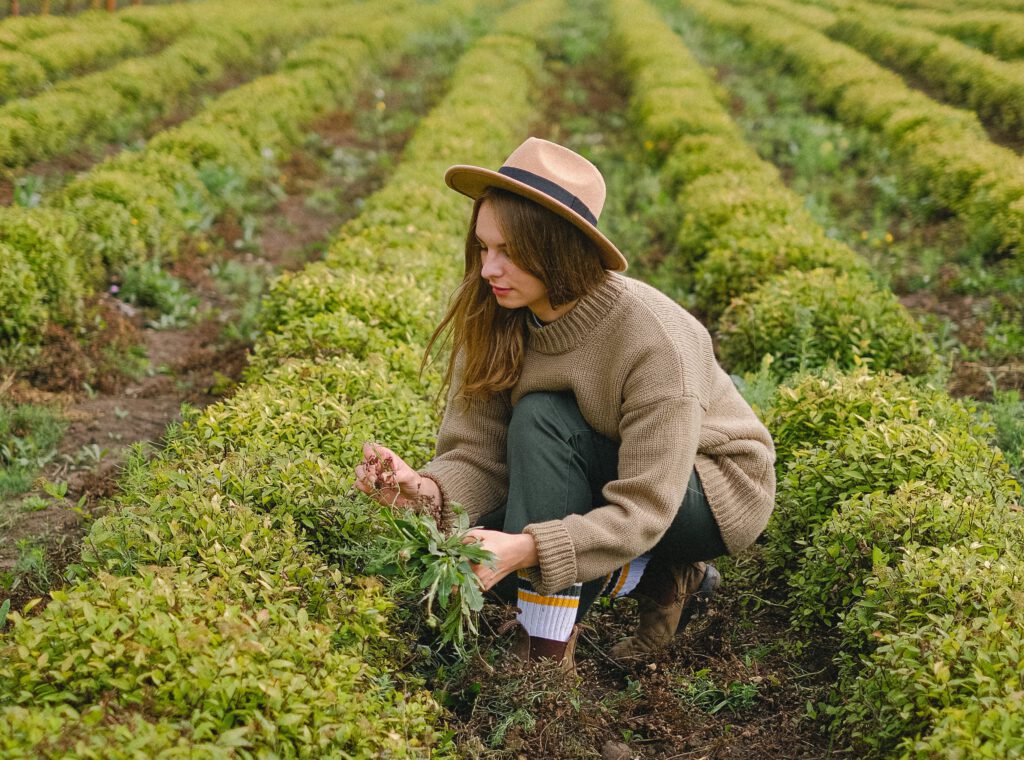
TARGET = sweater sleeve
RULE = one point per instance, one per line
(656, 455)
(469, 464)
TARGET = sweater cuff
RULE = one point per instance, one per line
(442, 514)
(556, 556)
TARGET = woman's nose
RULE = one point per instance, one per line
(489, 266)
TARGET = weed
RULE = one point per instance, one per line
(702, 692)
(1007, 413)
(31, 568)
(147, 285)
(28, 191)
(28, 438)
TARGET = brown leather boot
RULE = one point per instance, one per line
(527, 648)
(667, 598)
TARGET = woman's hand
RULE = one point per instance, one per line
(383, 475)
(512, 551)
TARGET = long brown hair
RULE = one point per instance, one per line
(491, 338)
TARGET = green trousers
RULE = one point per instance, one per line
(557, 466)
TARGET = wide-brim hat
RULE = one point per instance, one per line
(553, 176)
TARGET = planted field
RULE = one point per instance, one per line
(225, 246)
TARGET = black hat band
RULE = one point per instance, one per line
(551, 189)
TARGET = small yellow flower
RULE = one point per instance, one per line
(648, 145)
(381, 105)
(888, 237)
(863, 234)
(135, 222)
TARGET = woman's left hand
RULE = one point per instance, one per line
(512, 551)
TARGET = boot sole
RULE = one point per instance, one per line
(699, 601)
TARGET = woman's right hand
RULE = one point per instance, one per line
(383, 475)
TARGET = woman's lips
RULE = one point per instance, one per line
(500, 291)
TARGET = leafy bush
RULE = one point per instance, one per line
(22, 311)
(871, 530)
(946, 637)
(810, 319)
(746, 253)
(217, 668)
(44, 237)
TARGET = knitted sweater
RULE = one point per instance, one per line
(644, 374)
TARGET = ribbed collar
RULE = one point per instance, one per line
(572, 329)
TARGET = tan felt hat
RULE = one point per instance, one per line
(553, 176)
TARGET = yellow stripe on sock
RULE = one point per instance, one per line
(549, 601)
(623, 575)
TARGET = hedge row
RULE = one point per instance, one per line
(946, 151)
(117, 103)
(995, 32)
(1000, 33)
(138, 205)
(90, 42)
(759, 264)
(959, 74)
(206, 625)
(896, 521)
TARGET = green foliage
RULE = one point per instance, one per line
(29, 434)
(431, 567)
(869, 531)
(189, 652)
(810, 319)
(148, 285)
(44, 238)
(702, 692)
(22, 309)
(945, 149)
(1007, 413)
(944, 674)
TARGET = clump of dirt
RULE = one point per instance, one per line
(71, 359)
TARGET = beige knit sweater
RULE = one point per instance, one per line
(644, 373)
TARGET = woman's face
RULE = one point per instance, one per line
(512, 287)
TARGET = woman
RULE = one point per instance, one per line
(589, 430)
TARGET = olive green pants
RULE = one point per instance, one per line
(557, 466)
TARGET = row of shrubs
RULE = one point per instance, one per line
(138, 205)
(117, 103)
(946, 151)
(33, 56)
(998, 32)
(770, 279)
(959, 74)
(897, 524)
(208, 622)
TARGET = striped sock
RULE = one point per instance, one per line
(622, 581)
(548, 617)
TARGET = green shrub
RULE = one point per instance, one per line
(22, 309)
(811, 319)
(943, 624)
(225, 670)
(44, 238)
(746, 254)
(871, 530)
(811, 410)
(878, 458)
(20, 74)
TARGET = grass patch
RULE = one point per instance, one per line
(29, 434)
